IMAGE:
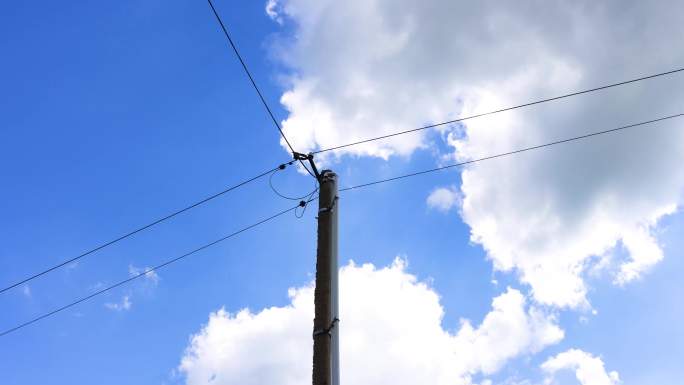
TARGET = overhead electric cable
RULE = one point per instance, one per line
(511, 152)
(133, 232)
(500, 110)
(278, 193)
(254, 85)
(148, 271)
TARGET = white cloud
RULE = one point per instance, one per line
(272, 11)
(589, 370)
(151, 275)
(444, 199)
(125, 304)
(545, 215)
(391, 332)
(643, 250)
(26, 290)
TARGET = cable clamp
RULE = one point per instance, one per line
(302, 157)
(284, 165)
(328, 330)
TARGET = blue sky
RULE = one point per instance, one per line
(115, 114)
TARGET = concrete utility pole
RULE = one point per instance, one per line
(326, 322)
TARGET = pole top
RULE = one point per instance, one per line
(327, 176)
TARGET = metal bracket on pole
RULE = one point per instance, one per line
(328, 330)
(332, 205)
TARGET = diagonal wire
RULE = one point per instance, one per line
(675, 71)
(139, 229)
(309, 199)
(254, 85)
(512, 152)
(148, 271)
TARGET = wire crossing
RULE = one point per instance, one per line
(304, 203)
(36, 275)
(253, 82)
(139, 229)
(502, 110)
(148, 271)
(612, 130)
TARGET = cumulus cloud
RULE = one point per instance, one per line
(589, 370)
(123, 305)
(363, 68)
(443, 198)
(391, 331)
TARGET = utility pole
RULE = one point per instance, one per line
(326, 321)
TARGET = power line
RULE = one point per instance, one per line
(148, 271)
(278, 193)
(500, 110)
(512, 152)
(131, 233)
(36, 275)
(254, 85)
(169, 216)
(575, 138)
